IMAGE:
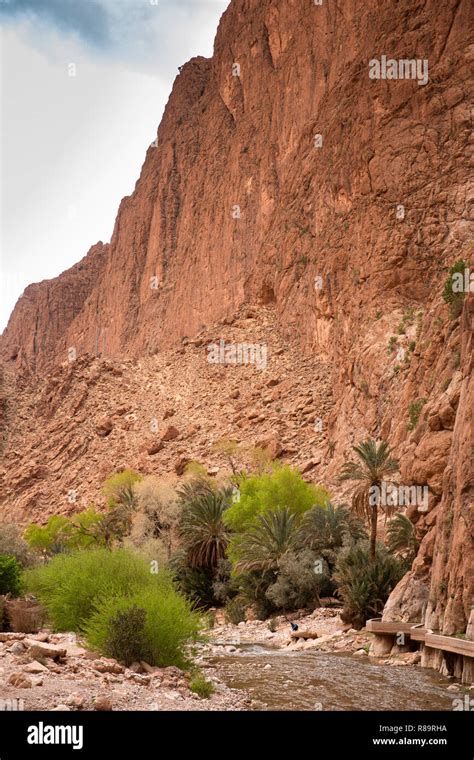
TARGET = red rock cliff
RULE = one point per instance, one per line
(241, 202)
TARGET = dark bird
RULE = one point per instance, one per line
(294, 627)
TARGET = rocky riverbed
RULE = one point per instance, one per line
(338, 670)
(255, 665)
(49, 671)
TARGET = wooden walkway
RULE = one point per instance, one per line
(416, 632)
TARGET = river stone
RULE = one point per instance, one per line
(17, 648)
(35, 667)
(38, 650)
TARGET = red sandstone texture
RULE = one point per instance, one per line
(238, 207)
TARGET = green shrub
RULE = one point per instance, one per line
(253, 588)
(283, 488)
(119, 488)
(81, 531)
(69, 585)
(234, 611)
(165, 625)
(273, 625)
(10, 574)
(364, 586)
(201, 686)
(50, 538)
(414, 411)
(197, 583)
(391, 344)
(453, 291)
(125, 640)
(299, 582)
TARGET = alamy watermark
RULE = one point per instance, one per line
(238, 353)
(12, 705)
(391, 495)
(406, 68)
(463, 282)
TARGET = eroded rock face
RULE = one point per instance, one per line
(343, 239)
(452, 576)
(248, 141)
(438, 591)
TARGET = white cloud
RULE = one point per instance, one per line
(72, 147)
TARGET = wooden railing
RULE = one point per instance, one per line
(417, 632)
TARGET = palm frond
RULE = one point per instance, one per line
(265, 543)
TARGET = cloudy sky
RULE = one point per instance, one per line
(83, 87)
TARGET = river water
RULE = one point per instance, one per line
(313, 680)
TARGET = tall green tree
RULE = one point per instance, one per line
(282, 488)
(201, 526)
(374, 463)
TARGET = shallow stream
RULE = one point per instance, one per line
(313, 680)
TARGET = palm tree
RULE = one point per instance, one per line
(374, 464)
(264, 544)
(401, 538)
(201, 527)
(324, 530)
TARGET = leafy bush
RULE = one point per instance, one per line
(299, 582)
(283, 488)
(87, 529)
(69, 585)
(10, 573)
(364, 585)
(81, 531)
(119, 488)
(414, 411)
(125, 638)
(453, 291)
(51, 538)
(154, 624)
(197, 583)
(201, 686)
(234, 611)
(325, 530)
